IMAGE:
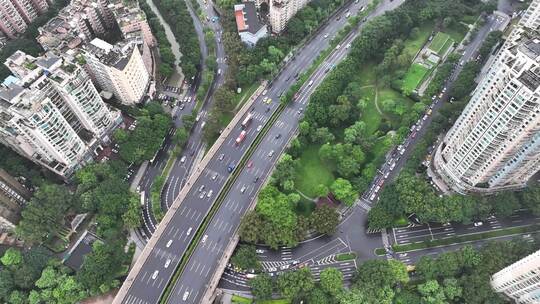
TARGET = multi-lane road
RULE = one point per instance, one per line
(352, 230)
(205, 259)
(194, 148)
(147, 285)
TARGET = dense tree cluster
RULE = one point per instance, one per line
(176, 14)
(167, 65)
(413, 194)
(143, 142)
(274, 221)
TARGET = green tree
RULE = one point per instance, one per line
(295, 284)
(379, 218)
(12, 257)
(262, 286)
(43, 217)
(343, 191)
(321, 190)
(245, 258)
(332, 281)
(325, 219)
(132, 216)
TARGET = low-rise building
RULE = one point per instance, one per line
(248, 24)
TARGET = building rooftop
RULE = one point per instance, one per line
(530, 79)
(112, 55)
(531, 48)
(246, 17)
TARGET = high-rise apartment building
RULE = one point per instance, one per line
(15, 15)
(13, 195)
(281, 11)
(52, 114)
(520, 281)
(495, 143)
(118, 69)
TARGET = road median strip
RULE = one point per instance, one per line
(219, 200)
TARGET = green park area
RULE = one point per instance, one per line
(414, 77)
(440, 43)
(312, 172)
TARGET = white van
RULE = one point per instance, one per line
(183, 159)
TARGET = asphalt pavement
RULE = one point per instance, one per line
(353, 228)
(194, 148)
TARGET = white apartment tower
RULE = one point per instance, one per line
(118, 69)
(495, 143)
(52, 114)
(520, 281)
(281, 11)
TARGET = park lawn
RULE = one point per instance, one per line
(388, 93)
(413, 45)
(311, 172)
(370, 116)
(457, 32)
(446, 46)
(414, 77)
(438, 42)
(367, 75)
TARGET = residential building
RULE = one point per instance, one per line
(11, 22)
(15, 15)
(13, 195)
(520, 282)
(281, 11)
(52, 114)
(495, 143)
(248, 24)
(118, 69)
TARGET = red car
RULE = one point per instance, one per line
(250, 164)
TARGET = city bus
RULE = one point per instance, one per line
(247, 120)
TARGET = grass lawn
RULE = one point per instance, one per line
(370, 115)
(446, 46)
(457, 32)
(380, 147)
(414, 77)
(367, 75)
(312, 172)
(413, 45)
(388, 93)
(438, 42)
(346, 256)
(242, 300)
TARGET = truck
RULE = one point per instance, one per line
(247, 120)
(241, 137)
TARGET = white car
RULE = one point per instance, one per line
(169, 243)
(202, 194)
(271, 153)
(372, 197)
(259, 128)
(154, 275)
(259, 251)
(186, 295)
(325, 35)
(243, 189)
(264, 92)
(209, 194)
(167, 263)
(214, 176)
(338, 46)
(201, 188)
(204, 238)
(478, 224)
